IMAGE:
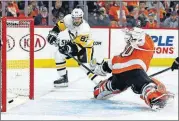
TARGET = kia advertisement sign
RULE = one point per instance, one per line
(39, 42)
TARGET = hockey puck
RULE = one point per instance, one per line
(10, 101)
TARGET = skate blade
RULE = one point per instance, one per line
(61, 85)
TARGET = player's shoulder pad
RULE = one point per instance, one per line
(67, 19)
(84, 28)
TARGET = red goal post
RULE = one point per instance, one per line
(18, 25)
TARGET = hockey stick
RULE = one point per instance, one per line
(157, 73)
(152, 75)
(80, 63)
(90, 73)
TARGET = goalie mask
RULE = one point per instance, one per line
(135, 34)
(77, 16)
(127, 35)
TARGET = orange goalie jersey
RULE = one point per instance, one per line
(134, 58)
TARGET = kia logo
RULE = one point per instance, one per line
(10, 43)
(39, 42)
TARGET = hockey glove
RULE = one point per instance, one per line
(93, 64)
(102, 69)
(99, 70)
(52, 37)
(175, 64)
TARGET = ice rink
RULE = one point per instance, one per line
(75, 101)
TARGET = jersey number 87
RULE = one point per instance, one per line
(84, 38)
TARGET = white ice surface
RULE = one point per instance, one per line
(74, 102)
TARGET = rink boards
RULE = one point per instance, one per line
(108, 42)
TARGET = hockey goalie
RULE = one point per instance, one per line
(80, 44)
(129, 70)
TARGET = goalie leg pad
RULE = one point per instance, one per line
(104, 90)
(156, 96)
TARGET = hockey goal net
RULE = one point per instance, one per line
(17, 60)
